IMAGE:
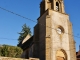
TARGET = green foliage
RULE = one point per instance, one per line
(25, 31)
(10, 51)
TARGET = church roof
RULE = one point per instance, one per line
(26, 44)
(78, 54)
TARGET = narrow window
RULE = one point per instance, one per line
(57, 6)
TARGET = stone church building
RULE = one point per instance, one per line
(53, 37)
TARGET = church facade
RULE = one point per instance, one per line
(53, 36)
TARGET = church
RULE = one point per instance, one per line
(53, 37)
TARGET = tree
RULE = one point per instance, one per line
(25, 31)
(10, 51)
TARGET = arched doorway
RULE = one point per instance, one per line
(61, 55)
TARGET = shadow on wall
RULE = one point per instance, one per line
(9, 58)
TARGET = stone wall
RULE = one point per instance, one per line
(10, 58)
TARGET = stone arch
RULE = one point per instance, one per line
(61, 55)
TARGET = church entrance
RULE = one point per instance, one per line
(61, 55)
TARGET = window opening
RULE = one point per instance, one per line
(57, 6)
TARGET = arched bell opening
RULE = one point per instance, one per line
(57, 6)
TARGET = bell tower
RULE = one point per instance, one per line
(53, 34)
(56, 5)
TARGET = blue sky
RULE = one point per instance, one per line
(11, 24)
